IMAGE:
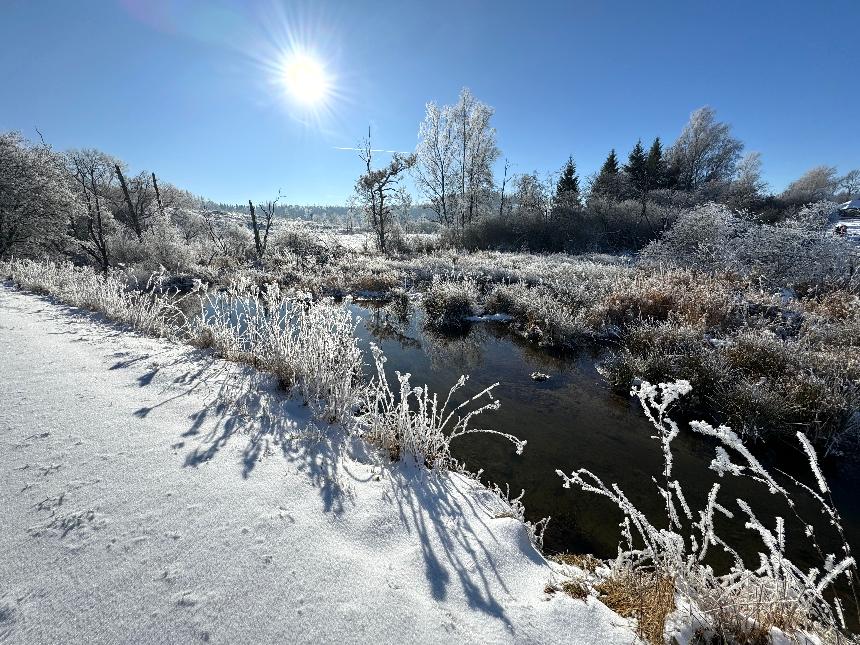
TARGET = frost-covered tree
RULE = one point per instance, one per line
(816, 184)
(403, 201)
(748, 186)
(455, 154)
(35, 197)
(849, 185)
(705, 152)
(375, 186)
(477, 152)
(93, 174)
(436, 171)
(531, 197)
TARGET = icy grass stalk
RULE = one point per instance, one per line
(409, 420)
(743, 601)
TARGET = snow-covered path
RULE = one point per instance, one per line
(152, 494)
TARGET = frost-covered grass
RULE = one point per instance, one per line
(744, 604)
(413, 420)
(310, 347)
(110, 295)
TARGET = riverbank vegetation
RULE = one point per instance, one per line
(677, 266)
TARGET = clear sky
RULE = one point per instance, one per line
(194, 89)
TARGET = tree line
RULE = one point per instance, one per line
(623, 206)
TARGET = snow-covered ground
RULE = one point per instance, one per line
(853, 226)
(151, 493)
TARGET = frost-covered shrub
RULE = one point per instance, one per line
(776, 595)
(541, 314)
(449, 303)
(755, 380)
(657, 294)
(799, 253)
(162, 245)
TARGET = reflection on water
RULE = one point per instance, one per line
(573, 420)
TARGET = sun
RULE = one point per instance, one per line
(305, 79)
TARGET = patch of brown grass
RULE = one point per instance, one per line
(586, 562)
(645, 596)
(575, 589)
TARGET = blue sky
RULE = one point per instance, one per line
(190, 90)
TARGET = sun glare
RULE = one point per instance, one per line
(305, 79)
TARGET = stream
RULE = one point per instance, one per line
(573, 420)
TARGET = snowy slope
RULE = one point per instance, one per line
(153, 494)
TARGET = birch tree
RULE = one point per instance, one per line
(455, 154)
(478, 152)
(705, 152)
(436, 168)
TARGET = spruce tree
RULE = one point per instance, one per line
(567, 189)
(655, 166)
(636, 167)
(610, 166)
(606, 182)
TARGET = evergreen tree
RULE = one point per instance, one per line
(655, 166)
(637, 167)
(610, 166)
(567, 189)
(606, 182)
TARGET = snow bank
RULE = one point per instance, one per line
(152, 493)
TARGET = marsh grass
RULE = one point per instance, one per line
(744, 602)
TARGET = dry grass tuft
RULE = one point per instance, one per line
(586, 562)
(576, 589)
(646, 597)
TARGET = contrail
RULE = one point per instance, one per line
(403, 152)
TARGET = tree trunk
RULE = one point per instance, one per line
(256, 229)
(157, 196)
(131, 210)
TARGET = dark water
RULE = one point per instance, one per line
(573, 420)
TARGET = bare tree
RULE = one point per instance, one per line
(92, 173)
(375, 186)
(139, 197)
(502, 191)
(157, 195)
(268, 210)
